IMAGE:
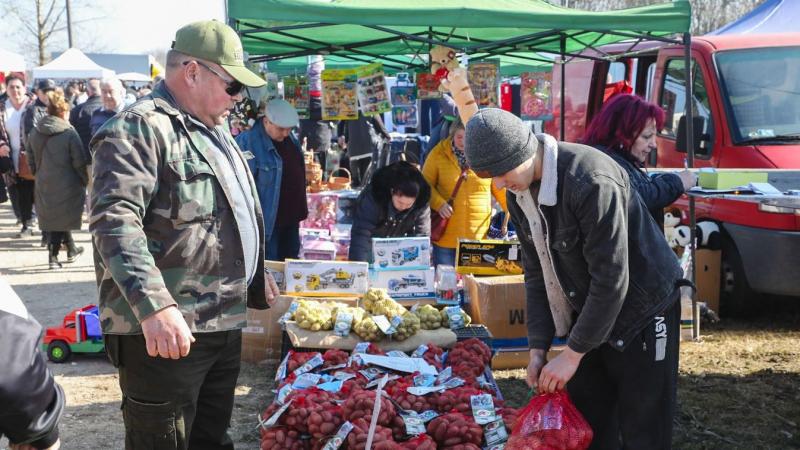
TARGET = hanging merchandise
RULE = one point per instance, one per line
(537, 101)
(404, 102)
(339, 99)
(295, 91)
(373, 96)
(483, 79)
(428, 86)
(272, 86)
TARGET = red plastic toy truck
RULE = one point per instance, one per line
(80, 333)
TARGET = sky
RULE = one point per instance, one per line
(120, 26)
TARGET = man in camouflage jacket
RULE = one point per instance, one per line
(179, 250)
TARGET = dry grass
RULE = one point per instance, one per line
(739, 386)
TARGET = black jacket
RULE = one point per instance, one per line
(32, 403)
(81, 116)
(375, 215)
(610, 257)
(657, 191)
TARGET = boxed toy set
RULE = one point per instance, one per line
(401, 253)
(326, 278)
(488, 257)
(405, 284)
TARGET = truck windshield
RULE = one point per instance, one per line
(761, 88)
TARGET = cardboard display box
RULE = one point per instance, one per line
(499, 303)
(401, 253)
(730, 179)
(326, 278)
(708, 277)
(405, 284)
(488, 257)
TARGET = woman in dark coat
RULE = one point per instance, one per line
(394, 204)
(625, 129)
(60, 166)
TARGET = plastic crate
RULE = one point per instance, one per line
(474, 331)
(286, 345)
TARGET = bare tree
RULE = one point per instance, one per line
(42, 25)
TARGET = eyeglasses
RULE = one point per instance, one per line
(233, 87)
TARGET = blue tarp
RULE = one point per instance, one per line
(772, 16)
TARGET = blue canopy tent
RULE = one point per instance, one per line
(772, 16)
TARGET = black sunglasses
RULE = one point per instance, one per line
(232, 88)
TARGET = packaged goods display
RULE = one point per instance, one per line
(326, 278)
(405, 284)
(488, 257)
(401, 253)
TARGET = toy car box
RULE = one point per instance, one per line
(401, 253)
(488, 257)
(326, 278)
(405, 284)
(319, 250)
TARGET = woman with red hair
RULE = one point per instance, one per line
(625, 129)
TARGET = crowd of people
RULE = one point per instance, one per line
(183, 216)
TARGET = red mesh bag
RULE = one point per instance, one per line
(550, 422)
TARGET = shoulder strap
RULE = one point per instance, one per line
(461, 179)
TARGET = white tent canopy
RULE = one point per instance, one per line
(71, 64)
(11, 62)
(133, 76)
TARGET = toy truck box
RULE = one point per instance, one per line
(326, 278)
(405, 284)
(401, 253)
(488, 257)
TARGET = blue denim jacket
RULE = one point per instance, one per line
(267, 168)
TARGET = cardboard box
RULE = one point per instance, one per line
(326, 278)
(488, 257)
(318, 250)
(499, 303)
(405, 284)
(401, 253)
(730, 179)
(707, 277)
(261, 338)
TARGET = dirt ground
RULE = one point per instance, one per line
(739, 386)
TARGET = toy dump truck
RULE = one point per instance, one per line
(79, 333)
(404, 255)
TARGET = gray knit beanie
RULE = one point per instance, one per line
(496, 142)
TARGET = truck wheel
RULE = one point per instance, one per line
(736, 297)
(58, 351)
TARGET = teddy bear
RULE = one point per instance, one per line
(443, 60)
(672, 219)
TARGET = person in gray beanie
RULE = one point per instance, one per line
(597, 271)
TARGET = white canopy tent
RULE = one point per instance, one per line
(11, 62)
(133, 76)
(71, 64)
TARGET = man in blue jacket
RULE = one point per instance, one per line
(276, 161)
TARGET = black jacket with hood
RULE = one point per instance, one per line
(375, 215)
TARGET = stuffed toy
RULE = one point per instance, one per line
(443, 60)
(681, 236)
(672, 218)
(458, 86)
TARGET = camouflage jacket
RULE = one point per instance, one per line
(163, 228)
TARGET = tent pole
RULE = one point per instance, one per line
(689, 114)
(563, 88)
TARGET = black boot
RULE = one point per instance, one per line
(53, 258)
(73, 251)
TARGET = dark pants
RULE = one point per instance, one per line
(629, 397)
(56, 238)
(21, 193)
(284, 243)
(177, 404)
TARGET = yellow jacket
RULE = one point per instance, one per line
(472, 207)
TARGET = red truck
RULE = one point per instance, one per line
(747, 115)
(79, 333)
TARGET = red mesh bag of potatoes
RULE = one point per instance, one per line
(550, 422)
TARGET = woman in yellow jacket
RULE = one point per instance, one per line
(471, 209)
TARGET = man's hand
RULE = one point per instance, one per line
(446, 211)
(538, 360)
(271, 289)
(4, 150)
(12, 446)
(166, 334)
(559, 371)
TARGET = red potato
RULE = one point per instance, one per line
(421, 442)
(360, 405)
(455, 428)
(297, 359)
(281, 438)
(476, 347)
(382, 439)
(334, 357)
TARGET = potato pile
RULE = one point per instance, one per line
(429, 317)
(368, 330)
(446, 320)
(407, 328)
(314, 316)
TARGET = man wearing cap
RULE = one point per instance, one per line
(276, 161)
(597, 270)
(179, 252)
(38, 109)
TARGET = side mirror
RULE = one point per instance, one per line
(698, 125)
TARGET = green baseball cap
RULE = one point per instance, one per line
(216, 42)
